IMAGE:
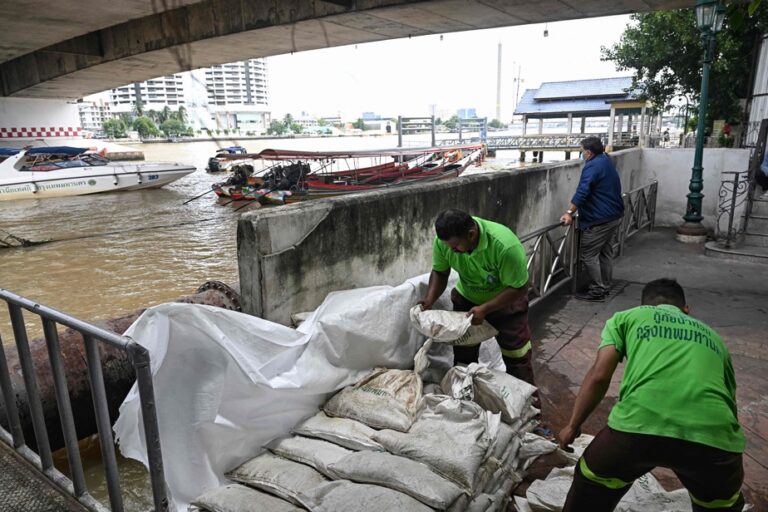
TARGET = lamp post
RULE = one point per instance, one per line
(709, 18)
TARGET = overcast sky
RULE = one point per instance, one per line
(406, 76)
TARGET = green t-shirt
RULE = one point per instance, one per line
(678, 381)
(497, 262)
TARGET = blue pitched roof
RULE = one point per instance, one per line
(599, 87)
(585, 97)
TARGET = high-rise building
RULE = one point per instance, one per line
(94, 110)
(237, 95)
(154, 94)
(229, 96)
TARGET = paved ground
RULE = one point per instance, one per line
(731, 297)
(23, 490)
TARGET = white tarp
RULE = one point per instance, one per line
(227, 383)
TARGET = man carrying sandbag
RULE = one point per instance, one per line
(492, 286)
(676, 408)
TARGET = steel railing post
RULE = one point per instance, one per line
(732, 210)
(65, 408)
(11, 411)
(99, 396)
(30, 383)
(141, 364)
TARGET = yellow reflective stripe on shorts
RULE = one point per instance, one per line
(611, 483)
(517, 353)
(716, 503)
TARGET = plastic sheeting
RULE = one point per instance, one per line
(227, 383)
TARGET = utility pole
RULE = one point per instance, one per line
(517, 86)
(498, 87)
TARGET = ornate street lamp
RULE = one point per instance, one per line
(709, 18)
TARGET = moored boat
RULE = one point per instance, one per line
(295, 178)
(43, 172)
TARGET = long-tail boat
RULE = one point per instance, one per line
(300, 175)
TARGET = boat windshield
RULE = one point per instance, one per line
(43, 163)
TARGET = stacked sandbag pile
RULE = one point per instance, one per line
(383, 444)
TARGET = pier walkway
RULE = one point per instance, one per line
(729, 296)
(23, 489)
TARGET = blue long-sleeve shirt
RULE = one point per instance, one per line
(598, 196)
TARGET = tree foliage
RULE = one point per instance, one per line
(145, 126)
(664, 49)
(114, 128)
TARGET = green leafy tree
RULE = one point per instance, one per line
(322, 122)
(359, 124)
(114, 128)
(665, 51)
(496, 124)
(145, 126)
(182, 115)
(138, 108)
(276, 127)
(451, 123)
(164, 114)
(173, 126)
(296, 128)
(152, 114)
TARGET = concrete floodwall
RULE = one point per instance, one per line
(290, 258)
(672, 168)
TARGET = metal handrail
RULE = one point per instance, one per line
(639, 213)
(92, 336)
(551, 261)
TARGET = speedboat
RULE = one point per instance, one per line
(43, 172)
(227, 158)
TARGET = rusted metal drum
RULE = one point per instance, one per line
(118, 372)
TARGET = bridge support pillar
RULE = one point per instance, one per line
(541, 156)
(490, 153)
(522, 156)
(567, 155)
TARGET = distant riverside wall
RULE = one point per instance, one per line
(291, 257)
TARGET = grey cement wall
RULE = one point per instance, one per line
(291, 257)
(672, 168)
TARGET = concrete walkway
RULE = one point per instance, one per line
(23, 489)
(732, 297)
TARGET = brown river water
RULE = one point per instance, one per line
(114, 253)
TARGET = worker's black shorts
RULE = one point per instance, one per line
(615, 459)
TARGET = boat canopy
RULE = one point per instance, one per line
(233, 150)
(45, 150)
(57, 150)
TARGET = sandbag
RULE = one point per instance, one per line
(645, 495)
(452, 327)
(344, 496)
(344, 432)
(398, 473)
(450, 436)
(313, 452)
(239, 498)
(383, 399)
(282, 477)
(495, 391)
(533, 446)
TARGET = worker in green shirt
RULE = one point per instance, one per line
(676, 408)
(492, 286)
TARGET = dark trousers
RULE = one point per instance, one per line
(514, 339)
(597, 254)
(615, 459)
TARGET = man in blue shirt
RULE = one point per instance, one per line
(601, 207)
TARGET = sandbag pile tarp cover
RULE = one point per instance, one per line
(228, 386)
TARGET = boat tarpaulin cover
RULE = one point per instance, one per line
(227, 383)
(56, 150)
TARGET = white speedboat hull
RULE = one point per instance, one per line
(90, 180)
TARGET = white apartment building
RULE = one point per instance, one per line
(226, 97)
(237, 95)
(154, 94)
(94, 110)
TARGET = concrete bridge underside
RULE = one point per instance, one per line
(71, 48)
